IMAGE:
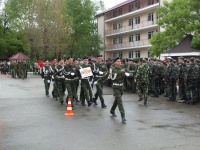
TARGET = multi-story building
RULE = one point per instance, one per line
(1, 5)
(127, 28)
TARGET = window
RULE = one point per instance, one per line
(150, 34)
(120, 11)
(130, 7)
(150, 17)
(115, 55)
(130, 54)
(137, 37)
(115, 26)
(137, 20)
(119, 25)
(119, 39)
(137, 54)
(114, 41)
(137, 4)
(150, 2)
(130, 22)
(130, 38)
(120, 55)
(114, 13)
(148, 53)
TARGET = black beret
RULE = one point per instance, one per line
(69, 57)
(99, 56)
(74, 59)
(86, 57)
(116, 59)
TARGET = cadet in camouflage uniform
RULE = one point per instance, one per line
(155, 73)
(85, 85)
(100, 69)
(59, 78)
(70, 72)
(172, 72)
(181, 83)
(132, 67)
(46, 73)
(142, 77)
(191, 78)
(54, 91)
(117, 74)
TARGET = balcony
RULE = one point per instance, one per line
(143, 8)
(127, 29)
(128, 45)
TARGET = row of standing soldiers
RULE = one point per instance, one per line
(169, 78)
(19, 69)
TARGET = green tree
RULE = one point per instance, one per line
(178, 18)
(84, 39)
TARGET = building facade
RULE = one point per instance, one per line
(127, 28)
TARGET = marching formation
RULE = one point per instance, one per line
(146, 77)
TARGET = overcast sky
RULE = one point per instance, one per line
(111, 3)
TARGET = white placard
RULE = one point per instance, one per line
(85, 72)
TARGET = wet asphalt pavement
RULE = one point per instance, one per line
(31, 121)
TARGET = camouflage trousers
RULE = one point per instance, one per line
(99, 92)
(182, 89)
(71, 89)
(191, 90)
(47, 85)
(142, 89)
(60, 88)
(172, 89)
(118, 92)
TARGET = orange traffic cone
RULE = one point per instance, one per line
(69, 111)
(7, 75)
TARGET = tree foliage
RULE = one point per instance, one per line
(54, 28)
(178, 18)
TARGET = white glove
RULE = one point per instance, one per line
(72, 74)
(95, 82)
(90, 82)
(48, 81)
(100, 72)
(127, 74)
(43, 79)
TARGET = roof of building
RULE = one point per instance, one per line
(116, 6)
(184, 46)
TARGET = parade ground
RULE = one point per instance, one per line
(31, 121)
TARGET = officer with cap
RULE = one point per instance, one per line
(117, 74)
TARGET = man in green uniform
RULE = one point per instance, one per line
(85, 85)
(117, 74)
(59, 78)
(46, 73)
(142, 77)
(70, 72)
(100, 69)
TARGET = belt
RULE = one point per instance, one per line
(98, 76)
(118, 84)
(69, 79)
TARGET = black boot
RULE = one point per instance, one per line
(103, 105)
(140, 99)
(89, 103)
(123, 119)
(95, 101)
(113, 113)
(145, 102)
